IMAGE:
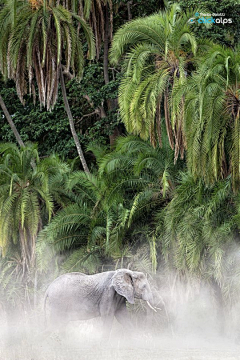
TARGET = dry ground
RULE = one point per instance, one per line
(83, 342)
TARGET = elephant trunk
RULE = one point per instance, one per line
(149, 300)
(147, 296)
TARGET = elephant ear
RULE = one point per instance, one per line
(123, 284)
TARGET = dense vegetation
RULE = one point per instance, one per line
(148, 174)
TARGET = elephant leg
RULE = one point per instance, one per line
(58, 323)
(130, 332)
(107, 326)
(123, 317)
(107, 308)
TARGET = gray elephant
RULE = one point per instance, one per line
(76, 296)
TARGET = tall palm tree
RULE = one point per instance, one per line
(157, 52)
(40, 39)
(27, 197)
(199, 234)
(211, 111)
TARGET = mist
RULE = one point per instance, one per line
(191, 322)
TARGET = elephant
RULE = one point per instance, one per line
(76, 296)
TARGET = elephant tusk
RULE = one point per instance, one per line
(151, 307)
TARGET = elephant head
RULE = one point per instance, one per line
(132, 284)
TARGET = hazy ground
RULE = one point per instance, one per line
(187, 326)
(83, 342)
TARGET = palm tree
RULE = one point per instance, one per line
(111, 205)
(211, 112)
(199, 235)
(27, 200)
(40, 39)
(198, 225)
(158, 50)
(84, 227)
(100, 17)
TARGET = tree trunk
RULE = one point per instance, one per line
(112, 137)
(111, 103)
(11, 123)
(129, 3)
(106, 40)
(71, 123)
(167, 121)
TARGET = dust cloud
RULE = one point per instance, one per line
(192, 322)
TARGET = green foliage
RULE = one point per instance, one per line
(138, 8)
(12, 290)
(212, 116)
(110, 204)
(199, 234)
(28, 195)
(90, 98)
(37, 39)
(199, 226)
(225, 34)
(51, 129)
(84, 260)
(157, 51)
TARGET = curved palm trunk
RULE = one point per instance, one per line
(11, 123)
(71, 122)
